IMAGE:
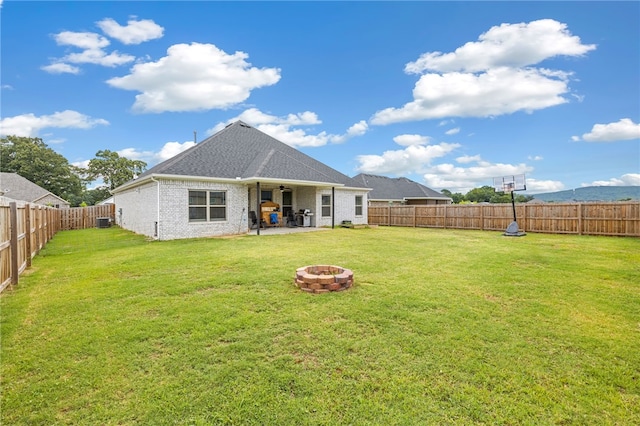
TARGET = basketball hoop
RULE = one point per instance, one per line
(509, 184)
(508, 187)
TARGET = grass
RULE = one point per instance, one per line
(441, 327)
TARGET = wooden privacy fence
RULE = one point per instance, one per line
(85, 217)
(613, 219)
(26, 228)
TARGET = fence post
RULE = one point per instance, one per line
(579, 218)
(446, 206)
(13, 242)
(27, 219)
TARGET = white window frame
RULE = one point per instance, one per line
(326, 207)
(359, 206)
(208, 206)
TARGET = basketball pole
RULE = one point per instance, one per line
(513, 204)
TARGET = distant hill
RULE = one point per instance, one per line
(592, 193)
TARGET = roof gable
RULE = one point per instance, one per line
(20, 188)
(386, 188)
(241, 151)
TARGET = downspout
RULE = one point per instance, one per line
(259, 212)
(157, 208)
(333, 207)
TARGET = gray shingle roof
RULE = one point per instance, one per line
(386, 188)
(240, 150)
(20, 188)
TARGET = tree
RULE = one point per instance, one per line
(480, 195)
(32, 159)
(113, 169)
(456, 197)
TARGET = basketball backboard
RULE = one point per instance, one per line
(510, 183)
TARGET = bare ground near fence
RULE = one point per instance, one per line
(608, 219)
(26, 228)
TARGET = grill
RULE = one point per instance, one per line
(303, 217)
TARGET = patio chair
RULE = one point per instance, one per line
(254, 220)
(291, 219)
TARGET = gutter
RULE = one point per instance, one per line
(248, 181)
(157, 208)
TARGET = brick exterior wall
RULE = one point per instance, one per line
(174, 210)
(137, 208)
(345, 207)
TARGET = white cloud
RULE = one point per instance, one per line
(29, 125)
(282, 128)
(82, 164)
(82, 40)
(408, 140)
(629, 179)
(466, 159)
(61, 68)
(93, 52)
(98, 57)
(7, 87)
(535, 157)
(171, 149)
(358, 129)
(535, 186)
(491, 77)
(507, 45)
(452, 131)
(194, 77)
(498, 91)
(415, 158)
(168, 150)
(463, 179)
(623, 130)
(135, 32)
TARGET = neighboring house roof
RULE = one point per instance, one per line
(386, 188)
(19, 188)
(241, 152)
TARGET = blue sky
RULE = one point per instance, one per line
(449, 94)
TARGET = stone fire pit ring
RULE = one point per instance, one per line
(323, 278)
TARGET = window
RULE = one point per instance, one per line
(266, 196)
(207, 206)
(326, 205)
(358, 205)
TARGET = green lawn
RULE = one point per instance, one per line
(441, 327)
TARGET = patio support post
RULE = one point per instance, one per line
(333, 207)
(258, 211)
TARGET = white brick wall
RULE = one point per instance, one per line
(345, 207)
(174, 210)
(140, 210)
(137, 208)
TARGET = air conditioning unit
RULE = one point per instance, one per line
(103, 222)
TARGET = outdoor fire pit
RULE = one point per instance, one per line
(323, 278)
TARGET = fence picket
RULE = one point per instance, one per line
(608, 219)
(26, 228)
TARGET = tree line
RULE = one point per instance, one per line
(32, 159)
(485, 194)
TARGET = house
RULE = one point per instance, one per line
(386, 190)
(217, 186)
(16, 187)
